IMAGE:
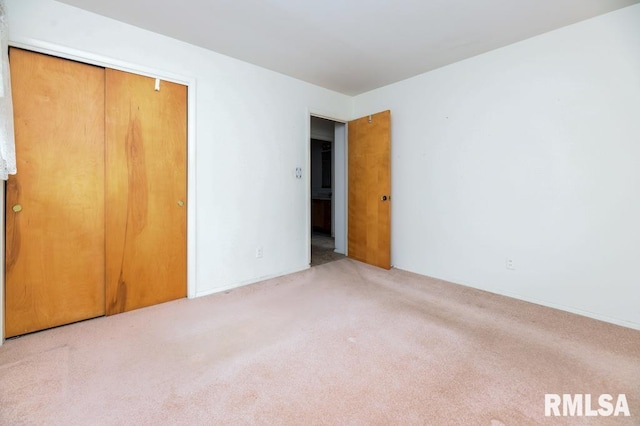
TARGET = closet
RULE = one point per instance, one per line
(96, 215)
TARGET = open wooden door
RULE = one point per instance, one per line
(146, 189)
(55, 203)
(369, 211)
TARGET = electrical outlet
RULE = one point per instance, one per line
(509, 264)
(259, 252)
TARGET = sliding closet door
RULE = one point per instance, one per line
(55, 203)
(146, 141)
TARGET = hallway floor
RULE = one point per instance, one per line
(322, 249)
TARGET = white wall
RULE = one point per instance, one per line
(252, 131)
(530, 152)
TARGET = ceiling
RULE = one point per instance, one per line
(350, 46)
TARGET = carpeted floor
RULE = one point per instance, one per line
(341, 343)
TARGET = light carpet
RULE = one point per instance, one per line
(341, 343)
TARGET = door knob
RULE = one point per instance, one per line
(181, 203)
(17, 208)
(384, 198)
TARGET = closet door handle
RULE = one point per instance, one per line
(17, 208)
(180, 203)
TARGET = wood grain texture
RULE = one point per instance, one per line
(146, 138)
(55, 244)
(369, 217)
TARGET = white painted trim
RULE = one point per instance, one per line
(327, 117)
(307, 184)
(570, 309)
(2, 243)
(251, 281)
(560, 307)
(93, 59)
(340, 192)
(346, 188)
(107, 62)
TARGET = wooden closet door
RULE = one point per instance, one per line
(146, 140)
(55, 203)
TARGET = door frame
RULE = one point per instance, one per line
(343, 151)
(107, 62)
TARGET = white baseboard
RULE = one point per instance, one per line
(248, 282)
(600, 317)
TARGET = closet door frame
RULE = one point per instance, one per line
(105, 62)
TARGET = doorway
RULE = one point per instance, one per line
(357, 192)
(327, 190)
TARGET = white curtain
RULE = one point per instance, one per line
(7, 143)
